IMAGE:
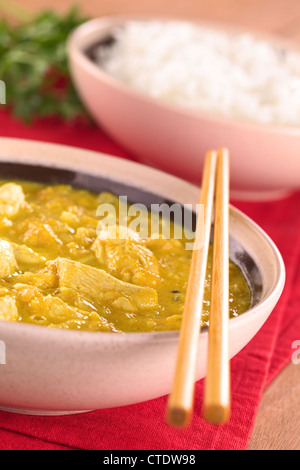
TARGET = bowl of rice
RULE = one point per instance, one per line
(168, 90)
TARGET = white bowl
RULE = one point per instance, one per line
(54, 371)
(265, 159)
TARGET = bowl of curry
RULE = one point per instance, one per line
(91, 305)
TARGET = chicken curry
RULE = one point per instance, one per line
(59, 270)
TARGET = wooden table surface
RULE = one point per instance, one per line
(277, 423)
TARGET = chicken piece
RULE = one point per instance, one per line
(127, 258)
(25, 293)
(11, 199)
(85, 236)
(41, 234)
(48, 308)
(97, 316)
(25, 256)
(55, 309)
(96, 285)
(164, 245)
(71, 297)
(8, 263)
(44, 279)
(8, 309)
(117, 232)
(14, 256)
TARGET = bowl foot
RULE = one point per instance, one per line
(34, 412)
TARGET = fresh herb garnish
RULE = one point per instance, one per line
(34, 66)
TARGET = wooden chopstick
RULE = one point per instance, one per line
(216, 408)
(181, 399)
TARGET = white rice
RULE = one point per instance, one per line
(232, 74)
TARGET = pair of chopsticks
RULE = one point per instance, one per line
(216, 406)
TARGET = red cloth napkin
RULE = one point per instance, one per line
(142, 426)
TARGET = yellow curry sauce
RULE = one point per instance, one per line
(57, 269)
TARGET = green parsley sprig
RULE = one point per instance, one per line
(34, 66)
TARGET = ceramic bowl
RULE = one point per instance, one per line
(56, 371)
(265, 159)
